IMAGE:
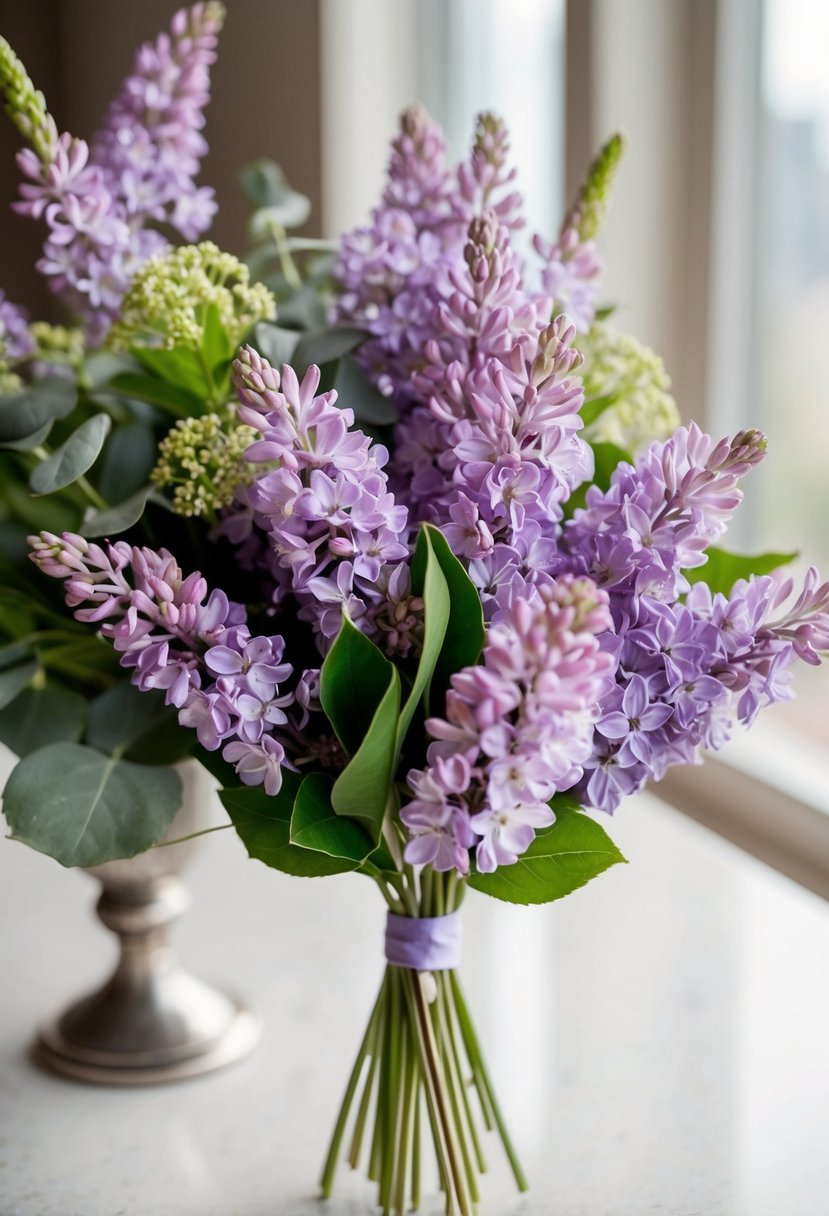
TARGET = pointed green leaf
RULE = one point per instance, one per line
(561, 859)
(316, 825)
(75, 456)
(723, 569)
(362, 789)
(127, 460)
(42, 715)
(179, 366)
(171, 397)
(355, 678)
(84, 808)
(24, 413)
(263, 824)
(429, 582)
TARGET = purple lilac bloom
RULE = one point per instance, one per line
(517, 730)
(97, 203)
(324, 504)
(15, 339)
(176, 637)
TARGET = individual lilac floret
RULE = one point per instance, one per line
(323, 501)
(97, 204)
(517, 731)
(178, 638)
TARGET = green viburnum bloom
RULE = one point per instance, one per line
(200, 462)
(632, 380)
(167, 302)
(57, 343)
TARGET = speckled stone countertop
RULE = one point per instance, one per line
(659, 1040)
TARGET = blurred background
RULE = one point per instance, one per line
(717, 244)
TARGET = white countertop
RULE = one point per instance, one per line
(659, 1040)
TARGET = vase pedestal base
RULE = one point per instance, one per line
(184, 1030)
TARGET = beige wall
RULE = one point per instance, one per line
(265, 101)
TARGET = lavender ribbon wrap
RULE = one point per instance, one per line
(424, 943)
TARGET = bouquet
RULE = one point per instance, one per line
(464, 593)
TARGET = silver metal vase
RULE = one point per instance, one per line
(152, 1021)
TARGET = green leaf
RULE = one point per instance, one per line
(24, 413)
(361, 791)
(316, 825)
(596, 406)
(356, 392)
(128, 457)
(462, 636)
(263, 821)
(180, 367)
(89, 659)
(267, 187)
(263, 181)
(429, 582)
(561, 859)
(171, 397)
(355, 678)
(29, 442)
(360, 693)
(117, 519)
(326, 345)
(75, 456)
(274, 343)
(217, 346)
(102, 366)
(83, 808)
(14, 679)
(723, 569)
(138, 725)
(40, 716)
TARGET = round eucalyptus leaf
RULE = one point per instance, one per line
(26, 412)
(84, 808)
(42, 715)
(73, 458)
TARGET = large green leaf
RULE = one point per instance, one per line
(83, 808)
(723, 569)
(561, 859)
(316, 825)
(40, 716)
(461, 637)
(24, 413)
(75, 456)
(360, 693)
(263, 823)
(181, 401)
(138, 725)
(355, 678)
(180, 367)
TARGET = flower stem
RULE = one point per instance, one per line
(475, 1054)
(330, 1167)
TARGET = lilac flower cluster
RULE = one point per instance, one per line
(194, 646)
(518, 729)
(338, 536)
(395, 272)
(15, 339)
(687, 670)
(97, 204)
